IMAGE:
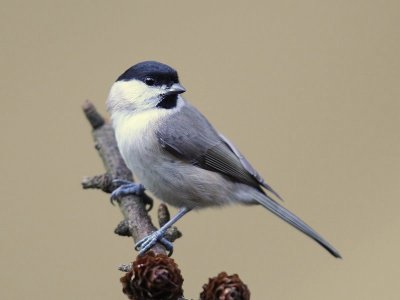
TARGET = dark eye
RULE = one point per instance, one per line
(149, 81)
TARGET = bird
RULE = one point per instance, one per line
(176, 154)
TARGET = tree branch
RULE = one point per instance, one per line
(132, 207)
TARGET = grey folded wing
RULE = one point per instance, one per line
(189, 136)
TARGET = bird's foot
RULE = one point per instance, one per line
(149, 241)
(126, 188)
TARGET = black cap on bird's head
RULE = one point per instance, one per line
(151, 73)
(145, 85)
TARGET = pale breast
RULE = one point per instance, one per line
(136, 138)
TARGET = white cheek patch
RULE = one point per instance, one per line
(133, 93)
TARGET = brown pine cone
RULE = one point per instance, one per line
(153, 277)
(224, 287)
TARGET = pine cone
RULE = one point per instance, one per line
(153, 277)
(224, 287)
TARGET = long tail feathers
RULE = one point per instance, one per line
(295, 221)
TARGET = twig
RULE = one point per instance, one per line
(132, 207)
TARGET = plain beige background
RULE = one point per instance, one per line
(308, 90)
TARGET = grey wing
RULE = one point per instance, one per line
(189, 136)
(249, 168)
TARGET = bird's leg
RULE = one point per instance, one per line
(126, 188)
(158, 236)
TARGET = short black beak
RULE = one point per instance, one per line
(175, 89)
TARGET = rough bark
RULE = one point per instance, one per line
(132, 207)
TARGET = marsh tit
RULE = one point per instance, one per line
(174, 151)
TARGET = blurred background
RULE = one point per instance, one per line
(309, 91)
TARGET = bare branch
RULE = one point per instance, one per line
(103, 182)
(125, 268)
(132, 207)
(122, 228)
